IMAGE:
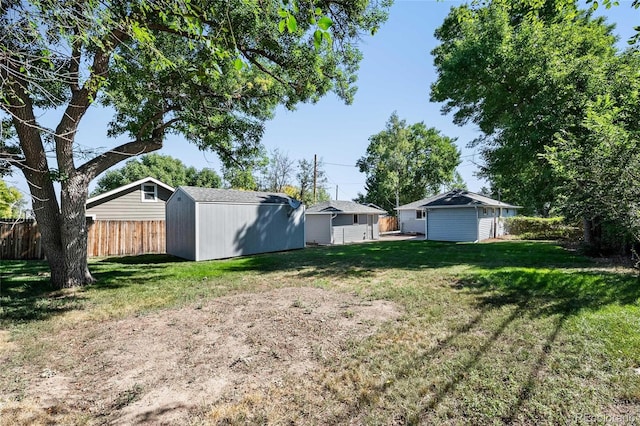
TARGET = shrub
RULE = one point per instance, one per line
(540, 228)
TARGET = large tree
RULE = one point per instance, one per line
(405, 163)
(522, 71)
(165, 168)
(212, 71)
(601, 171)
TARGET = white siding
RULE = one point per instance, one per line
(180, 226)
(376, 227)
(318, 228)
(486, 225)
(409, 223)
(455, 224)
(129, 206)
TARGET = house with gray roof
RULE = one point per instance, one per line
(456, 216)
(340, 222)
(208, 223)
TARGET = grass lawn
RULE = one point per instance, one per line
(500, 333)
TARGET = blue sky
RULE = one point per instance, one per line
(395, 75)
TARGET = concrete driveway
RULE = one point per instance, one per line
(396, 236)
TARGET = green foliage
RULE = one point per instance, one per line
(165, 168)
(456, 183)
(522, 73)
(404, 163)
(600, 169)
(212, 71)
(11, 201)
(304, 181)
(541, 228)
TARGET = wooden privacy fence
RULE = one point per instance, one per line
(388, 224)
(126, 237)
(21, 239)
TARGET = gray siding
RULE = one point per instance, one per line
(456, 224)
(181, 226)
(345, 231)
(228, 230)
(409, 223)
(349, 233)
(129, 206)
(318, 228)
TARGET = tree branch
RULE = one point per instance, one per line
(99, 164)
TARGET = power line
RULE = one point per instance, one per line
(336, 164)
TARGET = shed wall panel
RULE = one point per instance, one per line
(228, 230)
(129, 206)
(180, 227)
(318, 228)
(409, 223)
(458, 224)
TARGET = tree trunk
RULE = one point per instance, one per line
(63, 230)
(73, 232)
(47, 213)
(592, 234)
(586, 231)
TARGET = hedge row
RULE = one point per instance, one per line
(539, 228)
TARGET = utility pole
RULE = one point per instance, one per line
(336, 192)
(315, 177)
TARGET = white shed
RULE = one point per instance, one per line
(207, 223)
(339, 222)
(456, 216)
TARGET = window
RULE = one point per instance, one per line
(149, 192)
(420, 214)
(355, 219)
(484, 211)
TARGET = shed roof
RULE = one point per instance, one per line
(337, 206)
(217, 195)
(456, 198)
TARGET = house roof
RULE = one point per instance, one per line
(216, 195)
(455, 199)
(336, 206)
(128, 186)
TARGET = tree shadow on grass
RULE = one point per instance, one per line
(548, 293)
(146, 259)
(26, 294)
(503, 299)
(420, 255)
(551, 292)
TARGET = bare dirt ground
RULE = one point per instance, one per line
(163, 367)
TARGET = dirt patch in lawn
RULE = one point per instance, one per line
(163, 367)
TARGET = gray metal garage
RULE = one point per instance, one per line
(340, 222)
(456, 216)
